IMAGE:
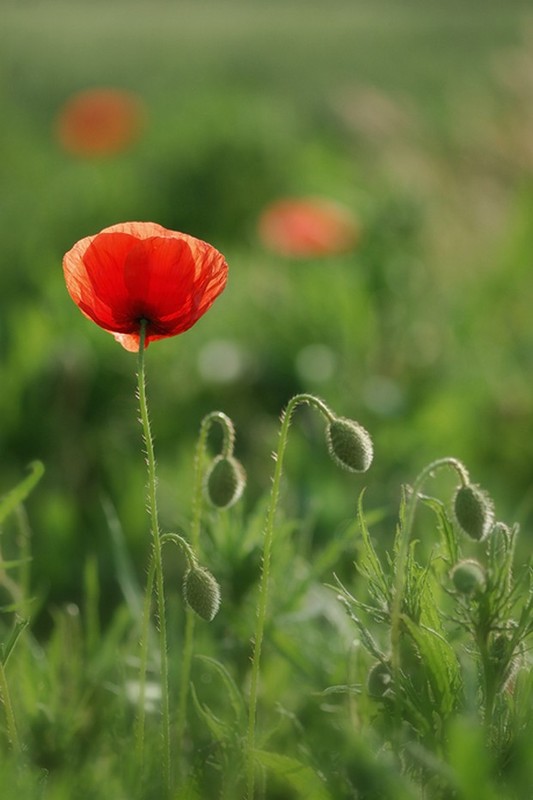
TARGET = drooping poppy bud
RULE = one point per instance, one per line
(349, 444)
(504, 658)
(379, 681)
(225, 481)
(201, 592)
(474, 511)
(469, 577)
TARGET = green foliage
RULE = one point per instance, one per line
(18, 495)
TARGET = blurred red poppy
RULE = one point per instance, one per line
(140, 270)
(99, 122)
(307, 227)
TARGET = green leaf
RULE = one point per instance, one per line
(444, 525)
(232, 692)
(368, 640)
(16, 562)
(17, 495)
(8, 647)
(124, 568)
(343, 688)
(220, 730)
(440, 662)
(303, 780)
(369, 564)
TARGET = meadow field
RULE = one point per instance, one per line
(382, 674)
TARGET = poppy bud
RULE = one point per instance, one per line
(379, 680)
(201, 592)
(225, 481)
(469, 577)
(349, 444)
(504, 660)
(473, 511)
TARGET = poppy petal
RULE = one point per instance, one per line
(140, 270)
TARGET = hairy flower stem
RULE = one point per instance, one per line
(297, 400)
(145, 633)
(5, 698)
(157, 558)
(197, 505)
(401, 563)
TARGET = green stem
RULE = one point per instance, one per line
(25, 559)
(197, 506)
(184, 545)
(265, 573)
(145, 633)
(5, 697)
(401, 562)
(157, 557)
(185, 675)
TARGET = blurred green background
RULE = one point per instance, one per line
(417, 116)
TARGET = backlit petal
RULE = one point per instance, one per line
(140, 270)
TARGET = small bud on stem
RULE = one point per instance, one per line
(201, 592)
(225, 481)
(349, 444)
(474, 511)
(469, 577)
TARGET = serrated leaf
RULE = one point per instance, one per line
(303, 780)
(444, 526)
(500, 549)
(440, 662)
(17, 495)
(370, 565)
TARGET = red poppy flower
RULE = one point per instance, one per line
(307, 227)
(140, 270)
(99, 122)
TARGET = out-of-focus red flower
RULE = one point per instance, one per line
(99, 122)
(307, 227)
(140, 270)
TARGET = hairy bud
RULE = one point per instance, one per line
(201, 592)
(379, 681)
(349, 444)
(469, 577)
(504, 658)
(225, 481)
(474, 511)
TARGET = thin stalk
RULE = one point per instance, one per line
(265, 574)
(145, 633)
(157, 557)
(25, 558)
(401, 562)
(483, 624)
(197, 506)
(5, 697)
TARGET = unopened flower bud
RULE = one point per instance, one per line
(201, 592)
(469, 577)
(379, 681)
(225, 481)
(349, 444)
(474, 511)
